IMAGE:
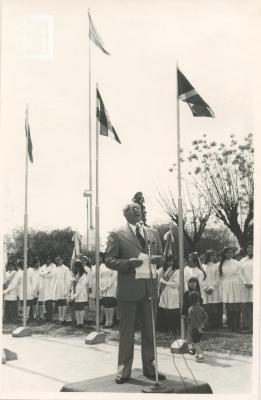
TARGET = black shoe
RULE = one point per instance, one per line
(119, 380)
(192, 351)
(153, 376)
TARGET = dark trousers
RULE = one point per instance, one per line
(128, 311)
(11, 310)
(247, 315)
(168, 320)
(215, 314)
(233, 316)
(49, 309)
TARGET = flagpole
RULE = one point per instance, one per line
(25, 226)
(180, 215)
(90, 135)
(98, 336)
(97, 227)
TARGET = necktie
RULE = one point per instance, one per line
(140, 238)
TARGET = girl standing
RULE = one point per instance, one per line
(36, 285)
(231, 287)
(194, 270)
(81, 295)
(197, 320)
(169, 296)
(193, 286)
(46, 288)
(62, 286)
(10, 297)
(108, 285)
(16, 286)
(213, 292)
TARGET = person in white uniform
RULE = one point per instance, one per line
(10, 297)
(169, 296)
(46, 288)
(231, 288)
(36, 284)
(80, 295)
(108, 286)
(62, 287)
(246, 272)
(17, 284)
(194, 270)
(86, 265)
(213, 292)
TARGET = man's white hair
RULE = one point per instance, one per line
(128, 206)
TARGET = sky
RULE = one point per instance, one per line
(45, 63)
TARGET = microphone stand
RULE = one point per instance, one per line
(157, 387)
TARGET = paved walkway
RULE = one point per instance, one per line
(46, 364)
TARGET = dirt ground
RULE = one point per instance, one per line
(220, 341)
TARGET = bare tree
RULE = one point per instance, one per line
(196, 213)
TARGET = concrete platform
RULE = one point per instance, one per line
(136, 383)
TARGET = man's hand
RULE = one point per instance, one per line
(134, 262)
(157, 259)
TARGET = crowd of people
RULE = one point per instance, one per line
(55, 289)
(224, 286)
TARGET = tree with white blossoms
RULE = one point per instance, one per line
(224, 175)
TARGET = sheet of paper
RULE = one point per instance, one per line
(143, 272)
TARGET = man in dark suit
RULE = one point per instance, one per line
(134, 295)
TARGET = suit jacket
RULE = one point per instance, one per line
(123, 245)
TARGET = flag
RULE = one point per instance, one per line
(76, 249)
(187, 93)
(169, 238)
(106, 128)
(27, 132)
(95, 37)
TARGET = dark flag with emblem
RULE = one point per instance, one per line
(106, 128)
(188, 94)
(28, 134)
(95, 37)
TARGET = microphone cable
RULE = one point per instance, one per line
(183, 355)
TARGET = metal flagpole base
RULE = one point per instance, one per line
(8, 355)
(95, 338)
(158, 388)
(179, 346)
(21, 332)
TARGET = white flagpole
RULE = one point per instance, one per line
(90, 134)
(25, 225)
(180, 215)
(97, 227)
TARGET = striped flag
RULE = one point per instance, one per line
(188, 94)
(95, 37)
(106, 128)
(28, 134)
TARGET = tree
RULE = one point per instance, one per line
(42, 243)
(139, 199)
(216, 238)
(196, 213)
(224, 175)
